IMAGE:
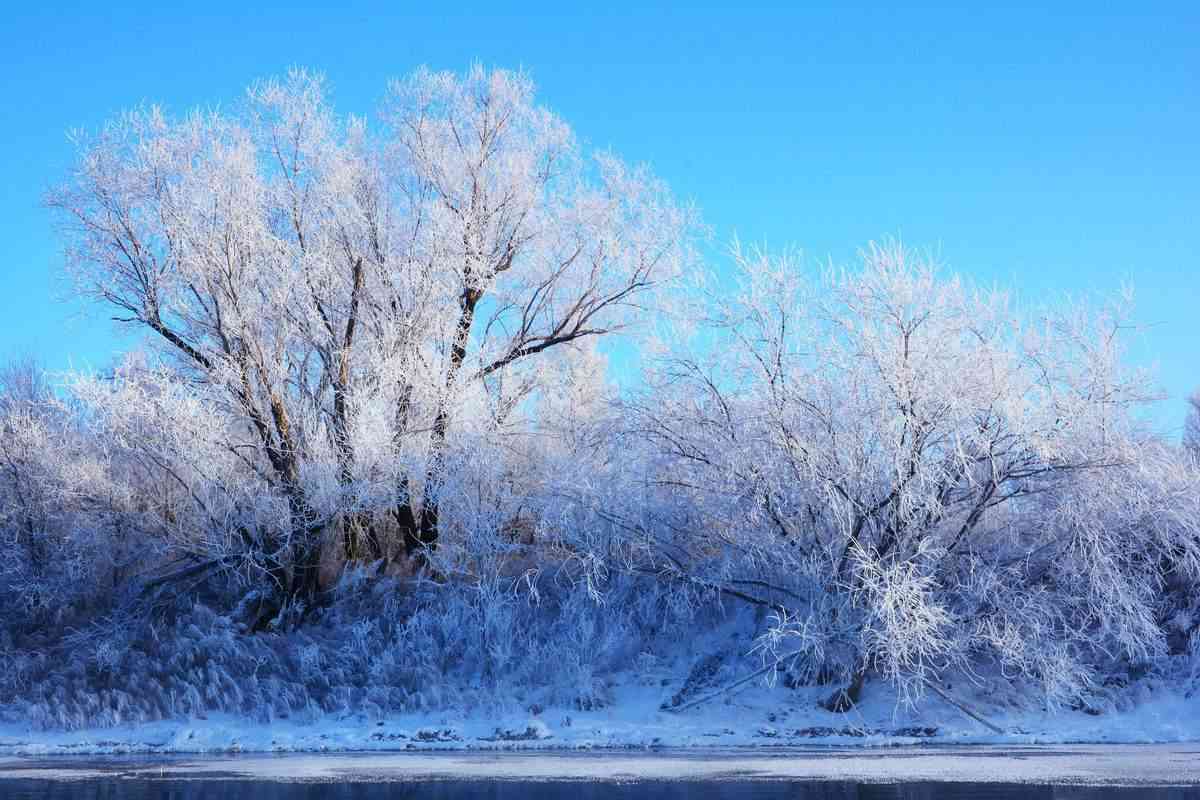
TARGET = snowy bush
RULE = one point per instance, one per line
(913, 476)
(383, 649)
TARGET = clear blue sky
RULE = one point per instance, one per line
(1051, 150)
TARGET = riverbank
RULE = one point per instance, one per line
(1084, 765)
(755, 718)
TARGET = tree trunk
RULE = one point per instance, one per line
(410, 533)
(844, 699)
(306, 568)
(357, 530)
(361, 539)
(425, 535)
(301, 582)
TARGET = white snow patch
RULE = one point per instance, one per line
(758, 716)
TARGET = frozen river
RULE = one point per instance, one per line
(1022, 773)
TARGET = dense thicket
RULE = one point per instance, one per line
(369, 455)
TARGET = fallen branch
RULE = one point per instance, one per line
(963, 707)
(729, 688)
(202, 569)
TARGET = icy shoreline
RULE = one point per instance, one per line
(1096, 765)
(751, 720)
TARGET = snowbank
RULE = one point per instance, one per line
(757, 717)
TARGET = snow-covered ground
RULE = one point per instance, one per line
(759, 716)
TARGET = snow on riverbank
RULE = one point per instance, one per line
(1075, 765)
(757, 717)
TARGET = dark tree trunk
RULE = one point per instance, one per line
(357, 530)
(423, 537)
(361, 539)
(844, 699)
(410, 533)
(306, 550)
(306, 571)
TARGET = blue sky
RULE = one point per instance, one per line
(1050, 150)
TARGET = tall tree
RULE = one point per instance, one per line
(538, 247)
(295, 267)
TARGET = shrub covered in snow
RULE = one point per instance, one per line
(380, 646)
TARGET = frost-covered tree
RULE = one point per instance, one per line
(908, 473)
(544, 247)
(69, 521)
(1191, 426)
(368, 338)
(314, 287)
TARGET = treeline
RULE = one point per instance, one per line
(370, 366)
